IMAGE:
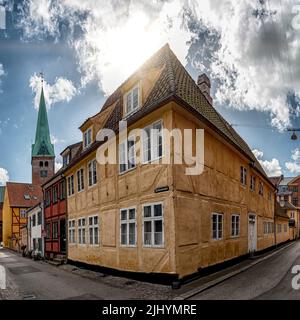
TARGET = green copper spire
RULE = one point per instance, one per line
(42, 145)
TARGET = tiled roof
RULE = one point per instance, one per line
(280, 211)
(288, 205)
(174, 83)
(276, 180)
(285, 181)
(2, 191)
(23, 194)
(72, 146)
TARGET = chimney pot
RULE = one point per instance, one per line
(204, 85)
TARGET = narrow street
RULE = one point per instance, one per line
(29, 280)
(270, 279)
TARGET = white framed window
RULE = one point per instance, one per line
(81, 231)
(235, 225)
(80, 180)
(268, 227)
(128, 227)
(292, 215)
(265, 227)
(279, 228)
(153, 225)
(217, 226)
(92, 168)
(22, 213)
(127, 159)
(243, 175)
(66, 159)
(70, 185)
(132, 100)
(152, 142)
(94, 230)
(71, 229)
(87, 138)
(252, 183)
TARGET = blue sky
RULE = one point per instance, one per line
(250, 50)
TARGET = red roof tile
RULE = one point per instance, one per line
(23, 195)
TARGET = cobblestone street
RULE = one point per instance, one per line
(28, 280)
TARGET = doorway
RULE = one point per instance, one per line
(252, 233)
(63, 240)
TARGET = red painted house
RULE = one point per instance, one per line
(55, 209)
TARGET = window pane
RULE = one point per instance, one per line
(131, 154)
(90, 221)
(157, 210)
(122, 157)
(135, 98)
(146, 145)
(131, 233)
(83, 236)
(124, 233)
(96, 231)
(91, 235)
(158, 226)
(147, 211)
(129, 102)
(95, 220)
(131, 214)
(147, 232)
(158, 238)
(124, 215)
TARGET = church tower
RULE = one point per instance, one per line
(42, 156)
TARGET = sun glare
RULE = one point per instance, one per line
(128, 46)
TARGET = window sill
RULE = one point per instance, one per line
(93, 186)
(153, 247)
(129, 114)
(124, 172)
(152, 160)
(128, 246)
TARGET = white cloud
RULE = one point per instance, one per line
(56, 140)
(294, 165)
(251, 64)
(272, 167)
(57, 166)
(117, 35)
(61, 90)
(258, 153)
(4, 177)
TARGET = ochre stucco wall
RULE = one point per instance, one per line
(217, 189)
(115, 191)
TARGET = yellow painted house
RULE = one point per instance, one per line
(149, 216)
(18, 198)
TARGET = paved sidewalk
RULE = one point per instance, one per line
(204, 283)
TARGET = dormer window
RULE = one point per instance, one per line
(87, 138)
(132, 100)
(66, 159)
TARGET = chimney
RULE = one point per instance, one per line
(203, 83)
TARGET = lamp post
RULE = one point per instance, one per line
(293, 130)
